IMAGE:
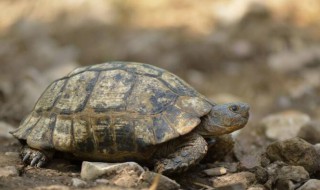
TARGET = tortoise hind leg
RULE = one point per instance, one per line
(35, 157)
(179, 155)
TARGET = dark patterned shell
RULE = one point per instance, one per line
(112, 107)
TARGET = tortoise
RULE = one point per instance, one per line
(126, 111)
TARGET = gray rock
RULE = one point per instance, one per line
(244, 178)
(125, 174)
(290, 177)
(317, 147)
(294, 151)
(294, 173)
(9, 171)
(78, 182)
(310, 132)
(93, 170)
(312, 184)
(262, 175)
(162, 182)
(284, 125)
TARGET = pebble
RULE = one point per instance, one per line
(284, 125)
(52, 187)
(244, 178)
(257, 187)
(317, 147)
(290, 177)
(162, 182)
(102, 181)
(78, 182)
(310, 132)
(9, 171)
(93, 170)
(295, 151)
(215, 171)
(312, 184)
(12, 154)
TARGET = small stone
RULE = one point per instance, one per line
(295, 173)
(102, 181)
(215, 171)
(163, 183)
(9, 171)
(284, 125)
(317, 147)
(310, 132)
(236, 186)
(93, 170)
(244, 178)
(78, 182)
(296, 152)
(125, 174)
(12, 154)
(284, 184)
(289, 177)
(261, 174)
(312, 184)
(257, 187)
(51, 187)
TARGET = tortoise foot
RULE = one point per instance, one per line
(169, 166)
(33, 157)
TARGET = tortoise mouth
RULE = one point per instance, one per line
(246, 115)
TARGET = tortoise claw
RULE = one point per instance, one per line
(34, 158)
(26, 157)
(40, 164)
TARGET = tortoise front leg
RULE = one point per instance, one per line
(182, 153)
(35, 157)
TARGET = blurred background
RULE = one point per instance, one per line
(266, 53)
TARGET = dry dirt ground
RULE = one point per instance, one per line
(264, 58)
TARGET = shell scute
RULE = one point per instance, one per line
(181, 121)
(62, 136)
(194, 105)
(143, 69)
(149, 96)
(76, 92)
(178, 85)
(111, 90)
(40, 136)
(49, 97)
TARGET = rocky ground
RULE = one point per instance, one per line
(267, 58)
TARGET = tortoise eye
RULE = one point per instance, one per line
(234, 108)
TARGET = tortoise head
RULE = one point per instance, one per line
(224, 118)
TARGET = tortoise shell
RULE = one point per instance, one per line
(114, 109)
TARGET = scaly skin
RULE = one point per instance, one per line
(188, 151)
